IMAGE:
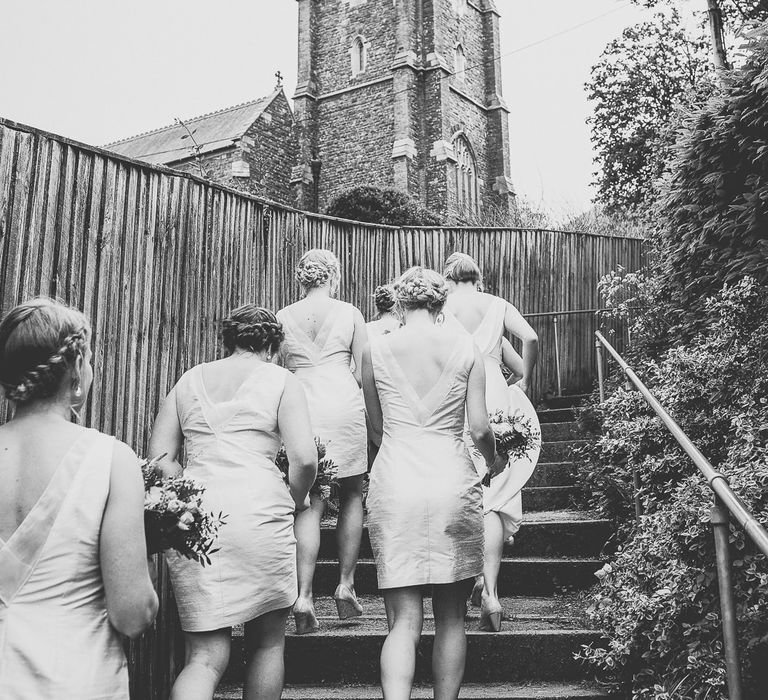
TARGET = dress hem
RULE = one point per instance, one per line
(458, 578)
(240, 619)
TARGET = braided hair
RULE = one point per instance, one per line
(421, 288)
(252, 328)
(384, 298)
(318, 267)
(40, 341)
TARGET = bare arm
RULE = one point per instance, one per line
(372, 403)
(518, 326)
(167, 437)
(512, 361)
(477, 411)
(130, 596)
(294, 426)
(359, 341)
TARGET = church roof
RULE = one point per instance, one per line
(211, 132)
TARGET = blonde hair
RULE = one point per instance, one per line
(40, 341)
(460, 267)
(318, 267)
(421, 288)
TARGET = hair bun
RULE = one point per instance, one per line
(384, 297)
(318, 267)
(420, 288)
(252, 328)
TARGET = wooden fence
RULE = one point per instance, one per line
(156, 258)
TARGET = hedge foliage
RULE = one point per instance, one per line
(381, 206)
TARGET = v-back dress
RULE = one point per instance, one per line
(231, 448)
(503, 495)
(335, 402)
(55, 638)
(425, 514)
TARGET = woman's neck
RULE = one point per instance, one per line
(465, 287)
(419, 318)
(318, 292)
(57, 408)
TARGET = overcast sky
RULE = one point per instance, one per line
(97, 70)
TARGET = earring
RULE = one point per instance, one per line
(78, 391)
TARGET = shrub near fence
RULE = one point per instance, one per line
(156, 258)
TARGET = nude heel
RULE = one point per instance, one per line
(347, 604)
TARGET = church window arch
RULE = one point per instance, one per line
(467, 184)
(359, 55)
(459, 61)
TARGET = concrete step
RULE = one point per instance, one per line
(556, 415)
(518, 575)
(551, 432)
(538, 498)
(569, 401)
(559, 451)
(553, 690)
(552, 474)
(545, 533)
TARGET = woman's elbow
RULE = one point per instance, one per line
(481, 434)
(132, 621)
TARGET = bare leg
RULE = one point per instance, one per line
(349, 529)
(405, 615)
(307, 529)
(206, 658)
(449, 604)
(265, 667)
(494, 547)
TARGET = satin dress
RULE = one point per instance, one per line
(335, 402)
(55, 637)
(425, 514)
(231, 448)
(503, 496)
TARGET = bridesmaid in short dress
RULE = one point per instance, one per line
(231, 416)
(486, 318)
(73, 560)
(425, 512)
(324, 337)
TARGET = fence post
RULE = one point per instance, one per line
(600, 379)
(719, 519)
(557, 358)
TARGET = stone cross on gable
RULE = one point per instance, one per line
(279, 77)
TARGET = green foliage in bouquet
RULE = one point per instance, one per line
(174, 517)
(657, 602)
(515, 437)
(326, 482)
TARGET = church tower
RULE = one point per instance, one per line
(404, 94)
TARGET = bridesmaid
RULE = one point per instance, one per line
(425, 499)
(386, 318)
(323, 337)
(73, 561)
(230, 416)
(487, 317)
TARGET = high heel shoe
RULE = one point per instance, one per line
(477, 592)
(305, 618)
(347, 604)
(490, 615)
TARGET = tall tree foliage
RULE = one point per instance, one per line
(638, 85)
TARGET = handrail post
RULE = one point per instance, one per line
(557, 358)
(600, 378)
(719, 519)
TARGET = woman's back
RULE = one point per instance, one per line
(55, 638)
(481, 315)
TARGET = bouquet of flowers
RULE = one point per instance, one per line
(515, 437)
(327, 471)
(173, 515)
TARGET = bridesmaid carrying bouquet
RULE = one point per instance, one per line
(73, 561)
(231, 416)
(323, 337)
(425, 499)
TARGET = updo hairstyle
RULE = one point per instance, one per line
(252, 328)
(40, 341)
(384, 298)
(318, 267)
(460, 267)
(421, 288)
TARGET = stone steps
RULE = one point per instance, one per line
(552, 432)
(469, 691)
(552, 474)
(537, 498)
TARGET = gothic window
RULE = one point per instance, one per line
(359, 53)
(459, 62)
(466, 176)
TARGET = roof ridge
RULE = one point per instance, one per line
(195, 119)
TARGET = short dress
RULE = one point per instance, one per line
(425, 502)
(335, 402)
(231, 448)
(55, 637)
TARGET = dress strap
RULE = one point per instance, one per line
(20, 554)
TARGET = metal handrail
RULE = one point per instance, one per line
(727, 503)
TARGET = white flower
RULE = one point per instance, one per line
(153, 497)
(185, 521)
(175, 506)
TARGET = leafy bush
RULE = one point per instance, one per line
(381, 206)
(658, 602)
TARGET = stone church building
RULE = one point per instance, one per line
(392, 93)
